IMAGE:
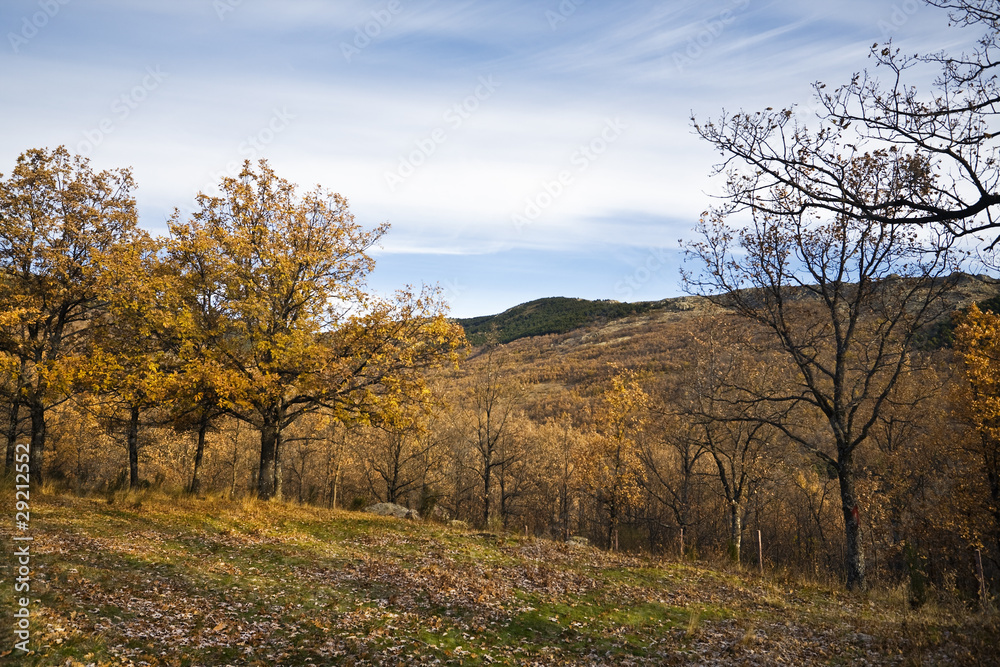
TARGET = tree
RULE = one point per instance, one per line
(60, 224)
(397, 455)
(273, 307)
(494, 397)
(612, 466)
(843, 299)
(126, 362)
(12, 371)
(737, 433)
(945, 139)
(672, 454)
(978, 340)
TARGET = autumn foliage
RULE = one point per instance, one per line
(244, 355)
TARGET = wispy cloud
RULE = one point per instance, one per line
(562, 69)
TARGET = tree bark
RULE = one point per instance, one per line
(487, 480)
(37, 446)
(268, 455)
(132, 438)
(278, 476)
(198, 455)
(15, 409)
(854, 549)
(735, 530)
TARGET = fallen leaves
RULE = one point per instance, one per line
(157, 586)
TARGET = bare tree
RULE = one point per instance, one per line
(737, 433)
(944, 139)
(843, 299)
(494, 404)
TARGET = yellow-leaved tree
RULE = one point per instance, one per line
(611, 465)
(273, 309)
(977, 338)
(60, 222)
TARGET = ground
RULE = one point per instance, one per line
(156, 580)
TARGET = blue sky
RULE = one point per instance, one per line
(519, 149)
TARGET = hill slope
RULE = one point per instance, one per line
(557, 314)
(151, 580)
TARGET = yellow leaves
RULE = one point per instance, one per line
(978, 341)
(611, 463)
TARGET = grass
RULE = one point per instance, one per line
(158, 580)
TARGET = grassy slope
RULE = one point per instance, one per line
(150, 580)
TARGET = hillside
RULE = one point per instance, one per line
(159, 581)
(548, 316)
(558, 315)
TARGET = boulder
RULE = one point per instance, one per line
(392, 509)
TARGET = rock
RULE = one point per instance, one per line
(392, 509)
(578, 541)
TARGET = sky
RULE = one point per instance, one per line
(518, 149)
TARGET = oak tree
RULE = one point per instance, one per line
(61, 223)
(276, 311)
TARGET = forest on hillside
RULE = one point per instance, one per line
(802, 409)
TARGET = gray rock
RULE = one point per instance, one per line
(392, 509)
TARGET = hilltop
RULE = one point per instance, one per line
(554, 315)
(150, 579)
(559, 315)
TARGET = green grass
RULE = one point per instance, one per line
(175, 581)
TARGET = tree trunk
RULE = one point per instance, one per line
(854, 549)
(278, 476)
(268, 455)
(336, 480)
(735, 530)
(487, 470)
(198, 455)
(37, 456)
(15, 409)
(133, 448)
